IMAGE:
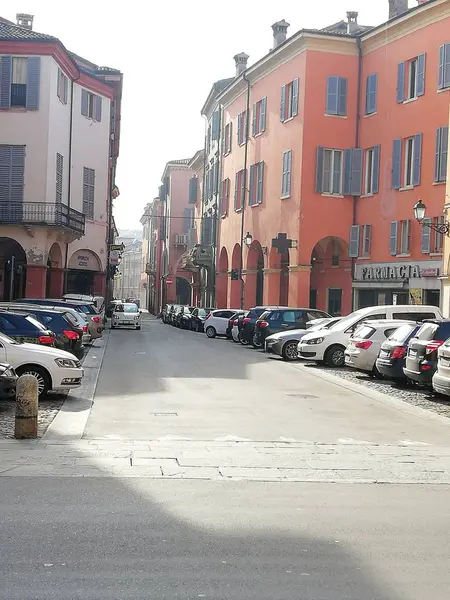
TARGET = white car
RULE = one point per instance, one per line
(54, 369)
(216, 321)
(364, 345)
(126, 314)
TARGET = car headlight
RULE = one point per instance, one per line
(315, 341)
(67, 363)
(7, 373)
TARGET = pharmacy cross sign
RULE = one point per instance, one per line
(281, 243)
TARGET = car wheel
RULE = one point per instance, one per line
(255, 343)
(289, 351)
(376, 373)
(335, 356)
(243, 341)
(42, 376)
(211, 332)
(138, 327)
(236, 341)
(113, 326)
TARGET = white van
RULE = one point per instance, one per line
(329, 345)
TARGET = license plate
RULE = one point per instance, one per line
(412, 352)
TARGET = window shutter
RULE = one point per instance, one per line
(353, 251)
(408, 236)
(437, 154)
(215, 125)
(98, 108)
(227, 195)
(240, 136)
(425, 244)
(288, 171)
(245, 132)
(59, 85)
(33, 82)
(347, 172)
(84, 102)
(242, 187)
(254, 130)
(230, 138)
(262, 115)
(444, 154)
(376, 169)
(283, 104)
(396, 164)
(5, 173)
(357, 166)
(186, 220)
(59, 177)
(236, 192)
(420, 88)
(5, 81)
(252, 187)
(367, 239)
(442, 57)
(88, 192)
(65, 88)
(417, 158)
(295, 86)
(216, 177)
(393, 238)
(342, 98)
(332, 95)
(193, 190)
(260, 182)
(401, 82)
(371, 93)
(319, 169)
(17, 173)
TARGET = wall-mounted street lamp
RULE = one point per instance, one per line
(248, 239)
(419, 210)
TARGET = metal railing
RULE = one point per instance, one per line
(42, 213)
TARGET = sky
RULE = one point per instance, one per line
(170, 53)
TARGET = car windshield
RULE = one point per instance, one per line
(130, 308)
(401, 334)
(427, 331)
(364, 332)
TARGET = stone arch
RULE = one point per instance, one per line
(183, 291)
(55, 256)
(331, 276)
(82, 267)
(222, 279)
(236, 282)
(254, 279)
(54, 284)
(13, 269)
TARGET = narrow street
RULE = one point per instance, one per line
(207, 470)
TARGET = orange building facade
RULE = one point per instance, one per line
(347, 129)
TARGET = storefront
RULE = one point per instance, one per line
(378, 284)
(84, 275)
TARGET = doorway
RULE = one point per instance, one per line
(335, 301)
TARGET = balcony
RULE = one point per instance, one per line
(47, 214)
(180, 239)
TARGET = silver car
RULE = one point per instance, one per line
(284, 343)
(126, 315)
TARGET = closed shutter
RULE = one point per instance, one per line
(425, 243)
(393, 238)
(255, 111)
(252, 187)
(283, 104)
(259, 182)
(236, 192)
(347, 172)
(5, 81)
(354, 242)
(441, 153)
(371, 93)
(444, 66)
(289, 171)
(88, 192)
(417, 159)
(33, 82)
(367, 240)
(295, 88)
(342, 96)
(239, 129)
(186, 220)
(401, 82)
(437, 154)
(12, 170)
(84, 102)
(319, 169)
(396, 164)
(332, 95)
(65, 88)
(262, 115)
(242, 187)
(230, 138)
(193, 190)
(420, 86)
(356, 176)
(376, 169)
(215, 125)
(59, 177)
(98, 108)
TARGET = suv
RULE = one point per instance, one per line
(165, 313)
(216, 321)
(87, 309)
(184, 317)
(198, 318)
(246, 322)
(25, 328)
(422, 357)
(283, 319)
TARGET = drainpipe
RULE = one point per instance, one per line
(215, 238)
(247, 128)
(357, 144)
(203, 202)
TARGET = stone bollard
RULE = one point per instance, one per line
(26, 408)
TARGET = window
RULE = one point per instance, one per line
(242, 122)
(224, 197)
(227, 137)
(335, 257)
(255, 192)
(188, 219)
(20, 82)
(360, 240)
(289, 100)
(444, 67)
(12, 170)
(193, 190)
(332, 172)
(371, 94)
(366, 240)
(336, 102)
(440, 163)
(88, 192)
(438, 238)
(411, 79)
(215, 125)
(62, 87)
(411, 150)
(91, 105)
(409, 158)
(59, 177)
(405, 239)
(286, 174)
(239, 190)
(372, 174)
(259, 117)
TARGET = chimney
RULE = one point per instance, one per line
(241, 62)
(352, 22)
(24, 20)
(397, 8)
(279, 32)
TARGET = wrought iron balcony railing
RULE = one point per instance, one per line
(42, 213)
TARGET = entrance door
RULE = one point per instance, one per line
(335, 301)
(313, 299)
(260, 282)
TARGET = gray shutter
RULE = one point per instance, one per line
(347, 172)
(371, 93)
(283, 104)
(441, 77)
(98, 108)
(84, 102)
(262, 115)
(5, 81)
(66, 87)
(246, 131)
(288, 171)
(259, 182)
(401, 82)
(393, 238)
(356, 177)
(353, 250)
(33, 82)
(215, 125)
(59, 177)
(342, 96)
(236, 191)
(216, 177)
(420, 87)
(254, 120)
(295, 87)
(5, 173)
(425, 243)
(17, 173)
(252, 187)
(444, 154)
(367, 239)
(376, 169)
(396, 164)
(243, 184)
(319, 169)
(437, 154)
(186, 220)
(193, 190)
(239, 129)
(417, 159)
(332, 95)
(230, 139)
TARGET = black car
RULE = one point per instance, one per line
(246, 323)
(422, 356)
(198, 318)
(8, 381)
(171, 314)
(283, 319)
(231, 322)
(184, 317)
(165, 312)
(391, 359)
(175, 313)
(25, 328)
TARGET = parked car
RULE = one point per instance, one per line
(216, 321)
(198, 318)
(171, 313)
(422, 356)
(90, 331)
(235, 330)
(8, 381)
(285, 343)
(283, 319)
(25, 328)
(165, 313)
(246, 323)
(231, 321)
(364, 344)
(184, 317)
(175, 315)
(111, 306)
(441, 378)
(126, 315)
(391, 358)
(87, 309)
(99, 301)
(329, 346)
(54, 369)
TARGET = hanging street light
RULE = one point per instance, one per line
(420, 210)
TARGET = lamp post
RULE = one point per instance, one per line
(420, 210)
(248, 239)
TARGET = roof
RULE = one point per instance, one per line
(11, 32)
(217, 88)
(342, 28)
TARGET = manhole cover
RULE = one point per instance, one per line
(304, 396)
(164, 414)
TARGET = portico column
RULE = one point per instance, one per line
(36, 281)
(56, 282)
(299, 285)
(271, 286)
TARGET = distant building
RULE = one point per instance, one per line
(128, 282)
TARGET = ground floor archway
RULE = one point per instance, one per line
(234, 300)
(84, 275)
(13, 270)
(254, 278)
(222, 279)
(183, 291)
